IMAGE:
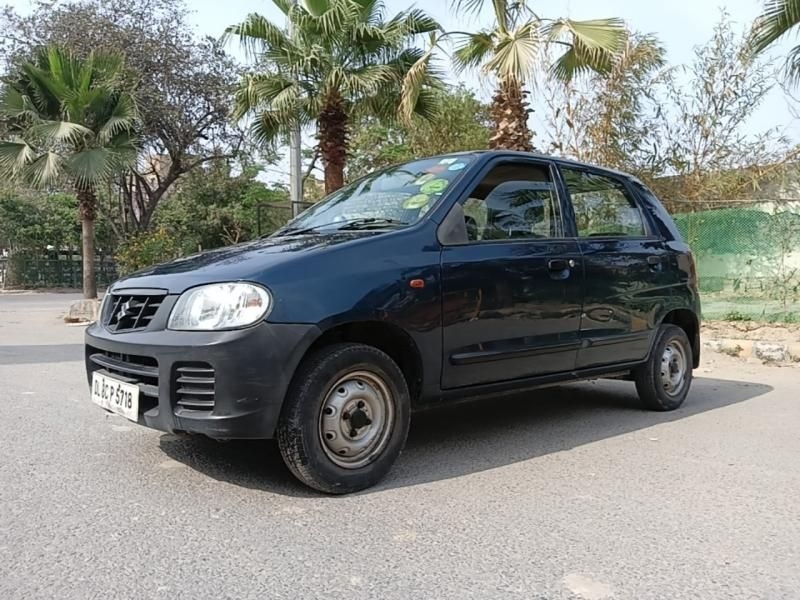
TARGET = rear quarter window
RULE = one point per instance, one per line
(602, 205)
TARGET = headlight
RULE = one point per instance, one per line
(219, 306)
(103, 303)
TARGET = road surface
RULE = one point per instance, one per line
(570, 493)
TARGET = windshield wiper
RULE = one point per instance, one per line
(369, 222)
(361, 223)
(294, 231)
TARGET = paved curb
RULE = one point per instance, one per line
(772, 352)
(82, 311)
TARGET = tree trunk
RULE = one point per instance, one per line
(509, 113)
(332, 133)
(87, 205)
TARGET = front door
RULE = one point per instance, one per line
(626, 272)
(512, 292)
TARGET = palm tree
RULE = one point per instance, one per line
(68, 121)
(778, 18)
(338, 60)
(515, 45)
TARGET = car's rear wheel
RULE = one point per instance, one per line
(345, 419)
(664, 381)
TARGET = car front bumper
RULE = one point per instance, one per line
(226, 384)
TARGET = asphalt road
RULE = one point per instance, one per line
(570, 493)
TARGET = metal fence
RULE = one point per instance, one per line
(30, 271)
(748, 259)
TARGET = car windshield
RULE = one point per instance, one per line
(389, 198)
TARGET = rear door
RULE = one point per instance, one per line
(626, 268)
(512, 287)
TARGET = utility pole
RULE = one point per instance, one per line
(295, 159)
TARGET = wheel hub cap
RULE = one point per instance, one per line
(673, 368)
(355, 421)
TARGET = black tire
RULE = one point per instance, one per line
(658, 391)
(300, 426)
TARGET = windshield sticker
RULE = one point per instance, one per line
(447, 161)
(424, 209)
(417, 201)
(436, 169)
(434, 186)
(424, 178)
(456, 166)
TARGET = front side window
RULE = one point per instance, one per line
(602, 205)
(392, 197)
(513, 201)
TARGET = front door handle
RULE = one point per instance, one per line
(654, 261)
(557, 264)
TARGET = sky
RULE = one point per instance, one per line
(681, 25)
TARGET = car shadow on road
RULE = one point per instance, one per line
(459, 440)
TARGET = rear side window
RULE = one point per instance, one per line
(513, 201)
(602, 205)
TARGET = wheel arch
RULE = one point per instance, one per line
(689, 322)
(383, 335)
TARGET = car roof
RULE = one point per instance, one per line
(557, 159)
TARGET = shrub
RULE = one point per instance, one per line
(146, 249)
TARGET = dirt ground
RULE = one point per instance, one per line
(751, 330)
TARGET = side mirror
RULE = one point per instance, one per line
(453, 229)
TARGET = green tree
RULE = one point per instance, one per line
(462, 123)
(184, 88)
(513, 48)
(69, 121)
(610, 118)
(34, 221)
(704, 138)
(777, 20)
(339, 60)
(220, 208)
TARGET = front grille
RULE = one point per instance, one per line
(141, 370)
(194, 386)
(126, 312)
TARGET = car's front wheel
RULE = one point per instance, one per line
(345, 419)
(664, 380)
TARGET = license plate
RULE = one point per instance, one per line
(117, 396)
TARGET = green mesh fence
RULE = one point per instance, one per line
(748, 260)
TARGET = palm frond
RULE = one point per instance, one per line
(259, 92)
(317, 7)
(256, 33)
(285, 6)
(16, 106)
(59, 132)
(91, 166)
(778, 18)
(428, 105)
(44, 170)
(365, 80)
(123, 118)
(266, 127)
(505, 12)
(421, 74)
(467, 6)
(793, 66)
(516, 53)
(473, 51)
(14, 157)
(593, 45)
(412, 22)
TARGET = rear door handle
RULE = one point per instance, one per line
(654, 261)
(557, 264)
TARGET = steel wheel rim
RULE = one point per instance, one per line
(355, 419)
(673, 369)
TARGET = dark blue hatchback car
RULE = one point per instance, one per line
(433, 281)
